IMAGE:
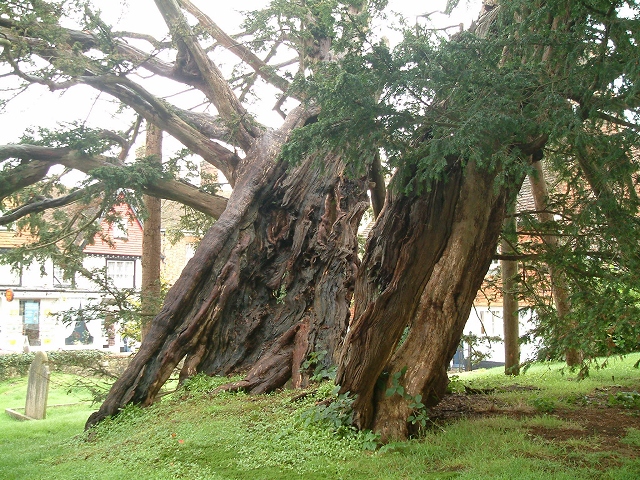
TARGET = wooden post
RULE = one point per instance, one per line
(151, 240)
(509, 298)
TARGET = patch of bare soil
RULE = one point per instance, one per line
(593, 417)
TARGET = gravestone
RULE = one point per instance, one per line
(38, 387)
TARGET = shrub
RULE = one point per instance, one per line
(544, 405)
(86, 362)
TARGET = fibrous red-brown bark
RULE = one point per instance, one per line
(424, 278)
(270, 282)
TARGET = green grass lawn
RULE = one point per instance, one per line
(191, 435)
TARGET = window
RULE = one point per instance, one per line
(30, 313)
(487, 323)
(121, 273)
(119, 230)
(58, 278)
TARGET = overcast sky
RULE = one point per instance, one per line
(39, 107)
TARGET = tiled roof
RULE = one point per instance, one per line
(131, 245)
(11, 239)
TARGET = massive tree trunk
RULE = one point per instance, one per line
(426, 260)
(270, 282)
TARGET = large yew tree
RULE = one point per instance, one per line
(457, 122)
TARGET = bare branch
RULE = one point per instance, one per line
(516, 257)
(6, 52)
(215, 86)
(617, 120)
(157, 44)
(46, 204)
(131, 134)
(243, 53)
(132, 94)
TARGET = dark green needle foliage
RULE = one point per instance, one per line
(556, 82)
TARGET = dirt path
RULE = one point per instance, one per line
(594, 416)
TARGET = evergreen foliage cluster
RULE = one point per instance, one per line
(565, 93)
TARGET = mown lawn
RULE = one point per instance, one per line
(529, 427)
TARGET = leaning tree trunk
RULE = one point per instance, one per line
(270, 282)
(295, 284)
(427, 258)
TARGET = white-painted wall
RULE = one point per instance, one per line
(488, 321)
(33, 285)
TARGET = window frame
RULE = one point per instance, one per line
(109, 260)
(58, 278)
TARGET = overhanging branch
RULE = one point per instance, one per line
(243, 53)
(49, 203)
(170, 189)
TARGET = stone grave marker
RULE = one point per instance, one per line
(38, 387)
(37, 390)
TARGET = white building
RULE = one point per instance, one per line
(30, 298)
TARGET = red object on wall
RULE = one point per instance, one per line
(8, 294)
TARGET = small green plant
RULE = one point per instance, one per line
(544, 405)
(316, 369)
(334, 411)
(418, 414)
(632, 437)
(369, 440)
(455, 384)
(200, 384)
(576, 399)
(280, 294)
(625, 400)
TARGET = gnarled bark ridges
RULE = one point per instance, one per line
(272, 280)
(440, 264)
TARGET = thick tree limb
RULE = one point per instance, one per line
(159, 113)
(209, 125)
(216, 87)
(170, 189)
(21, 176)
